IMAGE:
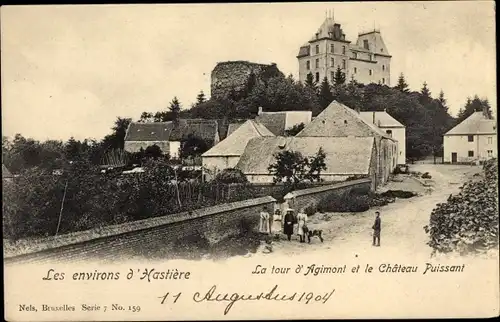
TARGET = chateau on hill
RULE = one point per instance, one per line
(367, 61)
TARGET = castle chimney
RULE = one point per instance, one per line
(260, 110)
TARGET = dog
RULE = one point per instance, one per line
(312, 233)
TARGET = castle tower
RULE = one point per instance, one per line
(367, 61)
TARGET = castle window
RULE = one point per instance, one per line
(355, 70)
(383, 67)
(343, 50)
(383, 80)
(365, 44)
(343, 64)
(471, 154)
(332, 48)
(490, 140)
(332, 62)
(389, 132)
(308, 65)
(317, 77)
(370, 72)
(470, 138)
(317, 49)
(317, 62)
(332, 75)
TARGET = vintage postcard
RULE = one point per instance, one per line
(250, 161)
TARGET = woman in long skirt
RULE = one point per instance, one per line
(264, 221)
(301, 225)
(277, 223)
(288, 222)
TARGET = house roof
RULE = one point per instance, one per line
(235, 143)
(232, 127)
(338, 120)
(274, 121)
(382, 119)
(5, 172)
(476, 123)
(344, 155)
(167, 131)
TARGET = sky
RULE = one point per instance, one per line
(71, 70)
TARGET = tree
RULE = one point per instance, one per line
(153, 152)
(294, 130)
(402, 85)
(146, 117)
(325, 93)
(116, 140)
(316, 166)
(200, 98)
(425, 91)
(193, 146)
(175, 109)
(310, 80)
(293, 168)
(474, 105)
(339, 77)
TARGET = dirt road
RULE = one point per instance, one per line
(402, 221)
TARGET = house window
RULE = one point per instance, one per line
(355, 55)
(332, 48)
(332, 62)
(365, 44)
(317, 62)
(470, 138)
(343, 64)
(343, 50)
(355, 70)
(490, 153)
(383, 80)
(317, 49)
(389, 132)
(317, 77)
(383, 67)
(370, 72)
(308, 65)
(490, 140)
(471, 154)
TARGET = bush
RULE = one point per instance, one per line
(344, 203)
(468, 222)
(311, 209)
(231, 175)
(426, 176)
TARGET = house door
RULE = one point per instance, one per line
(453, 157)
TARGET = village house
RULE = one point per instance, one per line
(392, 127)
(345, 156)
(227, 152)
(169, 135)
(338, 120)
(279, 122)
(474, 139)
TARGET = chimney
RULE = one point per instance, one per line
(260, 110)
(485, 112)
(373, 117)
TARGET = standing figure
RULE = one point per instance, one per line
(301, 225)
(264, 221)
(376, 229)
(277, 223)
(288, 222)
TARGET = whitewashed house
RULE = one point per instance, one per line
(227, 152)
(392, 127)
(474, 139)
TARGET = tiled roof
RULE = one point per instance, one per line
(382, 119)
(338, 120)
(304, 51)
(168, 131)
(344, 155)
(274, 121)
(233, 127)
(476, 123)
(158, 131)
(235, 143)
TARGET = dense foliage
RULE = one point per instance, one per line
(293, 168)
(468, 221)
(32, 203)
